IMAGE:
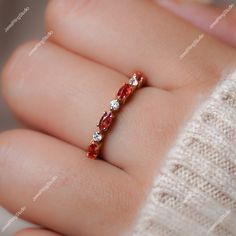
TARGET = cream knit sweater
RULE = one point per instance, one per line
(195, 193)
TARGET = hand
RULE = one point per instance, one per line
(60, 92)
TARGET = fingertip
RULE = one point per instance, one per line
(14, 69)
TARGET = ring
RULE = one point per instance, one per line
(125, 92)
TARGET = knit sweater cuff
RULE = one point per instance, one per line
(195, 192)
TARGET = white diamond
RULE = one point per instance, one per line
(97, 137)
(133, 81)
(115, 105)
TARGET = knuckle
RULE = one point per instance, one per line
(8, 139)
(14, 70)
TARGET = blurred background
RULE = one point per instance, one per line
(30, 26)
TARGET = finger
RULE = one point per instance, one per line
(68, 100)
(57, 188)
(129, 35)
(36, 232)
(216, 21)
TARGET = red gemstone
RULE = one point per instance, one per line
(105, 121)
(93, 151)
(124, 92)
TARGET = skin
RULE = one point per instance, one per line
(60, 92)
(224, 30)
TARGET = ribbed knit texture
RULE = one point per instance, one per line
(195, 193)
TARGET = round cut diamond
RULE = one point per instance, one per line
(97, 137)
(133, 81)
(115, 105)
(124, 92)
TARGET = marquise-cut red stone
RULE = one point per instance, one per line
(105, 121)
(93, 151)
(124, 92)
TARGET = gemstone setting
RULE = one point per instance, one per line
(114, 105)
(93, 151)
(124, 92)
(133, 81)
(97, 137)
(133, 84)
(106, 121)
(137, 80)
